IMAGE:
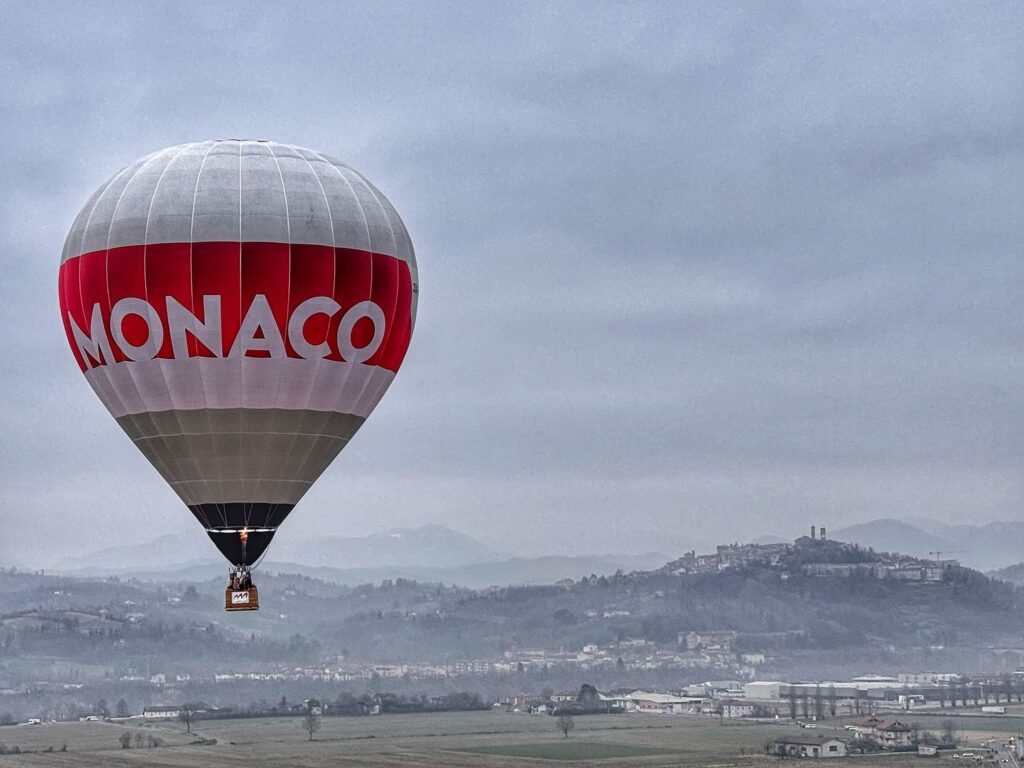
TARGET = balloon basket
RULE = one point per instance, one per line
(242, 599)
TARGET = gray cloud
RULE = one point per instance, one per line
(688, 272)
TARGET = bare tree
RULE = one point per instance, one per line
(187, 715)
(125, 739)
(949, 732)
(311, 721)
(565, 723)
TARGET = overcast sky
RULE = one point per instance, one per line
(689, 272)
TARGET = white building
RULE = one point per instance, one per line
(763, 690)
(651, 702)
(810, 746)
(924, 678)
(162, 713)
(737, 708)
(171, 712)
(720, 639)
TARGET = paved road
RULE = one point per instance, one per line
(1002, 753)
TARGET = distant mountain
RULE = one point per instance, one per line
(431, 553)
(985, 547)
(175, 550)
(427, 546)
(928, 524)
(430, 545)
(1011, 573)
(513, 571)
(517, 570)
(887, 535)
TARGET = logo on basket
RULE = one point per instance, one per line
(240, 598)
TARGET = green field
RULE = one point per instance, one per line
(567, 750)
(461, 740)
(1010, 723)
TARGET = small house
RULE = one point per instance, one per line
(810, 746)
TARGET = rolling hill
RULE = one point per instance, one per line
(985, 547)
(430, 553)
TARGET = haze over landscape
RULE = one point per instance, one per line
(709, 434)
(438, 554)
(685, 270)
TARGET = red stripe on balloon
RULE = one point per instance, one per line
(312, 274)
(71, 304)
(236, 273)
(353, 283)
(401, 329)
(169, 274)
(217, 271)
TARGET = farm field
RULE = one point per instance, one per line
(575, 750)
(466, 740)
(1011, 723)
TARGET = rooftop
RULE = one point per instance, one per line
(815, 741)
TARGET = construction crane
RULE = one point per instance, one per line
(938, 554)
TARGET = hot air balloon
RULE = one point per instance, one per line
(240, 307)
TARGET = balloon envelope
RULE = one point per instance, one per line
(240, 308)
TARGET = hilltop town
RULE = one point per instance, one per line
(817, 555)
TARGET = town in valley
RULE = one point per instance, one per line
(746, 637)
